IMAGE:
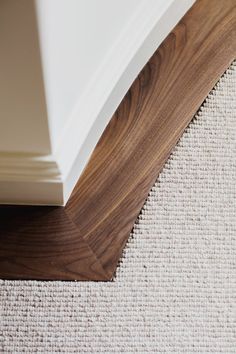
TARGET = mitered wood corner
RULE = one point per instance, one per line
(84, 240)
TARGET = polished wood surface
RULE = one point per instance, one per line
(85, 239)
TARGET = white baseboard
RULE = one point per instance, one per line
(30, 179)
(50, 180)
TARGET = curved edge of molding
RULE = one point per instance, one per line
(49, 180)
(119, 69)
(84, 240)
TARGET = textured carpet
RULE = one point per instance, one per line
(175, 289)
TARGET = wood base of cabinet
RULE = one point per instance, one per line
(84, 240)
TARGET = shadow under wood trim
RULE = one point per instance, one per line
(84, 240)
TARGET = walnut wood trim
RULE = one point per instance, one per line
(84, 240)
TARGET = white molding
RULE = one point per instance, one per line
(38, 179)
(28, 167)
(136, 44)
(30, 179)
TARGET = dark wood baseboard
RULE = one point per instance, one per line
(84, 240)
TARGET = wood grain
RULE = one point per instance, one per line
(43, 243)
(85, 239)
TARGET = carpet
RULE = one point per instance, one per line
(175, 287)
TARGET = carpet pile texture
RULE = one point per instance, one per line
(175, 288)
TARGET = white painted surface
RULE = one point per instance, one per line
(145, 31)
(75, 37)
(23, 116)
(91, 51)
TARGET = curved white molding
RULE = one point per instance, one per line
(136, 44)
(49, 180)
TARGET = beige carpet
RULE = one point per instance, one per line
(175, 290)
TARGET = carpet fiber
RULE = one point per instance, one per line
(175, 289)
